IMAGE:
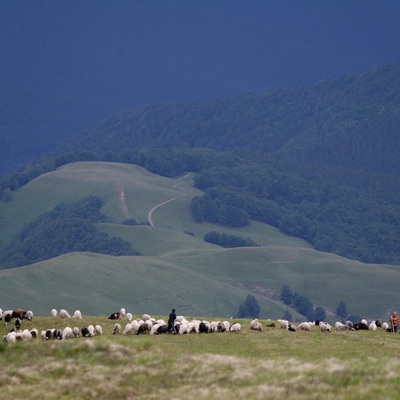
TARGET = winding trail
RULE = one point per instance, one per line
(151, 212)
(124, 206)
(150, 215)
(122, 202)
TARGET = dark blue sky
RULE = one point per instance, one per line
(123, 54)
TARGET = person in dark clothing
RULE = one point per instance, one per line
(171, 320)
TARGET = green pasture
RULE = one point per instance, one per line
(272, 364)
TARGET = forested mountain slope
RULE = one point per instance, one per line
(351, 122)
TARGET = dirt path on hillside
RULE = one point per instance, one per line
(124, 206)
(151, 212)
(122, 202)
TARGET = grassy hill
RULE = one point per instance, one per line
(176, 268)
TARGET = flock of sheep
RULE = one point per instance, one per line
(147, 324)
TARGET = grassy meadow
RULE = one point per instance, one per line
(272, 364)
(176, 267)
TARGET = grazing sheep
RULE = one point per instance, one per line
(67, 333)
(7, 315)
(54, 312)
(117, 329)
(17, 323)
(24, 335)
(255, 325)
(283, 323)
(372, 326)
(146, 317)
(324, 327)
(114, 316)
(129, 317)
(64, 314)
(385, 326)
(360, 326)
(378, 323)
(221, 327)
(91, 330)
(143, 328)
(162, 329)
(227, 325)
(304, 326)
(340, 326)
(77, 315)
(128, 329)
(122, 312)
(292, 328)
(43, 335)
(235, 328)
(85, 332)
(34, 333)
(136, 324)
(75, 331)
(203, 328)
(98, 330)
(10, 337)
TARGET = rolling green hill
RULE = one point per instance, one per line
(176, 268)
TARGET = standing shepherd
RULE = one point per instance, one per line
(394, 321)
(171, 321)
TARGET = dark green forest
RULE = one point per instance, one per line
(319, 163)
(352, 122)
(66, 228)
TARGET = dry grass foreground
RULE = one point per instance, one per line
(273, 364)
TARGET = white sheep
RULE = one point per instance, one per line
(129, 317)
(29, 315)
(324, 327)
(54, 312)
(284, 324)
(64, 314)
(372, 326)
(128, 329)
(91, 330)
(340, 326)
(235, 328)
(67, 333)
(304, 326)
(75, 331)
(117, 329)
(135, 325)
(24, 335)
(146, 317)
(213, 326)
(122, 312)
(255, 325)
(227, 325)
(99, 330)
(193, 326)
(385, 326)
(77, 315)
(11, 337)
